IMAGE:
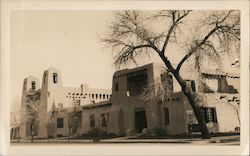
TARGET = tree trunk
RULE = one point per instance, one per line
(69, 135)
(202, 123)
(32, 137)
(47, 128)
(32, 133)
(188, 92)
(18, 140)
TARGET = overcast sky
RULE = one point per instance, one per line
(66, 40)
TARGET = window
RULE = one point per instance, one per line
(93, 96)
(209, 114)
(107, 96)
(33, 85)
(92, 121)
(116, 86)
(96, 96)
(100, 96)
(137, 82)
(55, 77)
(24, 85)
(104, 119)
(103, 96)
(59, 122)
(44, 78)
(166, 116)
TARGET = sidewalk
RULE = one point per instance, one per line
(228, 140)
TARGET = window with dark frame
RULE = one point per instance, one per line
(44, 79)
(209, 114)
(92, 121)
(24, 84)
(59, 122)
(104, 119)
(33, 85)
(166, 116)
(137, 82)
(55, 79)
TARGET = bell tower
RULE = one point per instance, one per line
(30, 84)
(52, 88)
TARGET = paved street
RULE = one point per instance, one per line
(225, 140)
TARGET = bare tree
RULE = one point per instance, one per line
(15, 120)
(32, 111)
(134, 34)
(36, 115)
(73, 121)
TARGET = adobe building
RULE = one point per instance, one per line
(131, 112)
(53, 94)
(75, 111)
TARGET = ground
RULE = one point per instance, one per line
(222, 140)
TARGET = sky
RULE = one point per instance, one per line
(66, 40)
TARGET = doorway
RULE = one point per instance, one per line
(140, 119)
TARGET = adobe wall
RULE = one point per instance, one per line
(226, 114)
(96, 112)
(124, 105)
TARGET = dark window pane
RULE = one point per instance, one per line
(137, 82)
(59, 122)
(33, 85)
(104, 120)
(55, 77)
(92, 121)
(166, 116)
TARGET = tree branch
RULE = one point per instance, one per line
(172, 27)
(195, 48)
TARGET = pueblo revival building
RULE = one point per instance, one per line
(75, 111)
(53, 95)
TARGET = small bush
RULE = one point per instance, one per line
(130, 132)
(112, 135)
(97, 133)
(146, 132)
(159, 132)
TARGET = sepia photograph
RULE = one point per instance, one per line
(118, 77)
